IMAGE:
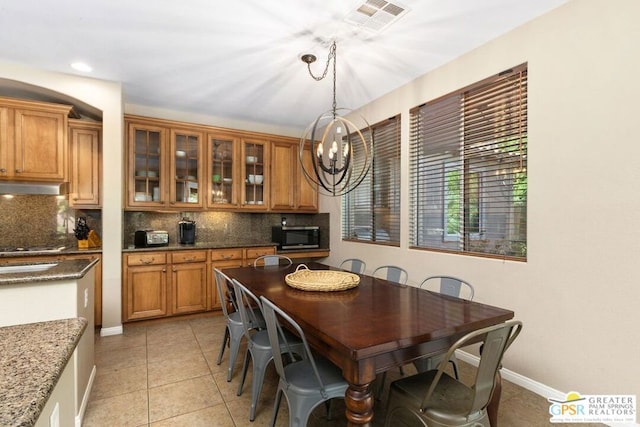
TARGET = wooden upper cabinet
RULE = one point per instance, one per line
(34, 140)
(85, 164)
(254, 159)
(290, 190)
(223, 176)
(165, 167)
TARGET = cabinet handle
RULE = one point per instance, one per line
(164, 270)
(173, 269)
(146, 261)
(189, 259)
(3, 170)
(18, 170)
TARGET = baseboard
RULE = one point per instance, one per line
(116, 330)
(85, 398)
(527, 383)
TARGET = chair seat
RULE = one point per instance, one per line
(300, 381)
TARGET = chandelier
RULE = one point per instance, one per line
(332, 141)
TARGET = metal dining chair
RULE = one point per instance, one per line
(305, 383)
(234, 330)
(272, 260)
(454, 287)
(435, 399)
(354, 265)
(392, 273)
(259, 347)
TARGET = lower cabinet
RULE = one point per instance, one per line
(166, 283)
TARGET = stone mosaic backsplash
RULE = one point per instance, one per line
(30, 220)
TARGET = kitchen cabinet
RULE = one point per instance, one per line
(223, 176)
(250, 254)
(85, 164)
(145, 286)
(33, 140)
(189, 276)
(223, 258)
(255, 181)
(290, 191)
(164, 167)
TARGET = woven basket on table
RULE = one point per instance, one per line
(321, 280)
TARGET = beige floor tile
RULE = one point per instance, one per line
(177, 367)
(129, 409)
(169, 332)
(170, 349)
(109, 383)
(131, 337)
(121, 358)
(183, 397)
(217, 416)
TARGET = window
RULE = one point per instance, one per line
(468, 169)
(371, 212)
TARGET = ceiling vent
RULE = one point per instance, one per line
(375, 15)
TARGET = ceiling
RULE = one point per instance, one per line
(241, 59)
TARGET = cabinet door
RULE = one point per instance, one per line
(146, 170)
(186, 169)
(40, 145)
(307, 194)
(252, 253)
(85, 165)
(189, 287)
(254, 159)
(146, 292)
(222, 176)
(6, 145)
(283, 176)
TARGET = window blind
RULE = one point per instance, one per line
(468, 169)
(371, 212)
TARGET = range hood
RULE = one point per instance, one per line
(45, 188)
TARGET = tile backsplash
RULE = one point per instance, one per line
(214, 227)
(29, 220)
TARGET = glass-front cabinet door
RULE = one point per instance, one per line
(186, 168)
(254, 173)
(146, 171)
(223, 179)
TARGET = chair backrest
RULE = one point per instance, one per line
(449, 285)
(496, 341)
(225, 292)
(272, 316)
(247, 301)
(392, 273)
(353, 265)
(272, 260)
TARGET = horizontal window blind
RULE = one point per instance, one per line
(468, 169)
(371, 212)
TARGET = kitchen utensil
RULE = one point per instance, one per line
(259, 179)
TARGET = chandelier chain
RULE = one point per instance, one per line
(332, 55)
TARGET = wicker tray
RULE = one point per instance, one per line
(321, 280)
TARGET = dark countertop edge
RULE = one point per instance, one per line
(13, 409)
(65, 270)
(203, 245)
(68, 251)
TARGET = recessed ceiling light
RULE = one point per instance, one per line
(81, 66)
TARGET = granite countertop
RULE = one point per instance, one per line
(62, 270)
(71, 250)
(202, 245)
(32, 358)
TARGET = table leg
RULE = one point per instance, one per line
(494, 401)
(359, 403)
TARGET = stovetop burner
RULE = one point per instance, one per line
(13, 249)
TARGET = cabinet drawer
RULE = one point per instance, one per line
(147, 259)
(258, 252)
(226, 254)
(188, 256)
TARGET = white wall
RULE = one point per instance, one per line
(107, 97)
(578, 292)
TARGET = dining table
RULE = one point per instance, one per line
(372, 327)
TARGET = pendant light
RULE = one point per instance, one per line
(332, 141)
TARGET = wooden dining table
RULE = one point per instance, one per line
(371, 328)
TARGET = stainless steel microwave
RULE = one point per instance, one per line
(296, 237)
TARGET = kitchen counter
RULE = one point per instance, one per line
(67, 251)
(32, 358)
(62, 270)
(201, 245)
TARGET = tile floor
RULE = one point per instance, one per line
(164, 373)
